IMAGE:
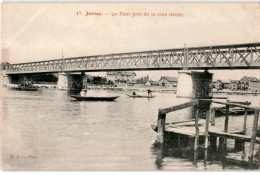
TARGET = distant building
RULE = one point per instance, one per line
(234, 85)
(217, 84)
(168, 81)
(254, 86)
(246, 79)
(152, 83)
(120, 77)
(225, 84)
(249, 83)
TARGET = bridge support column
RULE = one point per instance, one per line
(63, 82)
(193, 84)
(6, 79)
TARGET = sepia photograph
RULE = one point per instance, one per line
(130, 86)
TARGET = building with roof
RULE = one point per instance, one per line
(152, 83)
(254, 86)
(121, 77)
(168, 81)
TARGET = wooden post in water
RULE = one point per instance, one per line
(161, 126)
(245, 121)
(253, 137)
(226, 126)
(239, 144)
(206, 136)
(226, 119)
(212, 116)
(196, 140)
(207, 130)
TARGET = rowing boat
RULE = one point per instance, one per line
(140, 96)
(92, 98)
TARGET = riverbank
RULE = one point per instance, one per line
(132, 88)
(235, 92)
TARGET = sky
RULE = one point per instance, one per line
(35, 32)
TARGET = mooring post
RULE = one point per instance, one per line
(226, 118)
(212, 116)
(239, 144)
(207, 130)
(253, 137)
(226, 125)
(196, 140)
(245, 121)
(206, 136)
(161, 126)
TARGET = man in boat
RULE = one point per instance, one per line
(83, 92)
(149, 92)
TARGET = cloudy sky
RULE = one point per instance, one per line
(35, 32)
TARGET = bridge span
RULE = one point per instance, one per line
(235, 56)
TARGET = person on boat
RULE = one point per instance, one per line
(149, 91)
(134, 93)
(83, 92)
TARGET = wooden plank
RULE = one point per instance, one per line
(241, 102)
(231, 104)
(161, 127)
(218, 133)
(187, 131)
(253, 136)
(183, 121)
(179, 107)
(179, 124)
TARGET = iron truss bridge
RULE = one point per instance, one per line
(238, 56)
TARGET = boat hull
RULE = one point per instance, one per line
(24, 89)
(140, 96)
(81, 98)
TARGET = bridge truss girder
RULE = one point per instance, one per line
(240, 56)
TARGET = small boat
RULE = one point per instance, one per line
(25, 86)
(221, 111)
(140, 96)
(92, 98)
(21, 88)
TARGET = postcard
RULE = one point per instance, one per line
(130, 86)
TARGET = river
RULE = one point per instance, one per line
(48, 130)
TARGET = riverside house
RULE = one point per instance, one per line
(168, 81)
(121, 77)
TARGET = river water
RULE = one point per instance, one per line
(47, 129)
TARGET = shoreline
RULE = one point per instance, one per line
(138, 89)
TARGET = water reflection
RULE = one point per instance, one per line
(203, 158)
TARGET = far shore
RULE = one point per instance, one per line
(139, 88)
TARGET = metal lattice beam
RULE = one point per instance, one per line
(240, 56)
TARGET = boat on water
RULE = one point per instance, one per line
(140, 96)
(25, 86)
(220, 111)
(93, 98)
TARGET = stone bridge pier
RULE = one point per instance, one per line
(67, 81)
(194, 85)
